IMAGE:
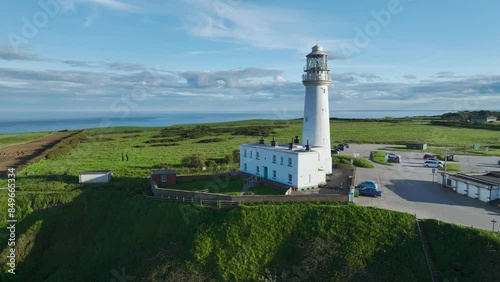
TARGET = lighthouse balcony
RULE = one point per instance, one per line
(316, 76)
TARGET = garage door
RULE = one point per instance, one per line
(472, 191)
(484, 194)
(461, 188)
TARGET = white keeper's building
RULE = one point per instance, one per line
(304, 165)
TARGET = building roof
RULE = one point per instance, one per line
(317, 50)
(95, 172)
(163, 171)
(489, 178)
(283, 148)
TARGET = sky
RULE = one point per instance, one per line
(130, 56)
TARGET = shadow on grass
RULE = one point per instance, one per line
(99, 232)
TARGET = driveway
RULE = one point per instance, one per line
(410, 187)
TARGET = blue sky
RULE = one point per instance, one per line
(126, 56)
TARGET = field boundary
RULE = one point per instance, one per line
(190, 196)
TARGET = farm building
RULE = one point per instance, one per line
(164, 178)
(95, 176)
(301, 166)
(484, 119)
(416, 146)
(482, 186)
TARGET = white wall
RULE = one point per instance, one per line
(309, 175)
(495, 193)
(308, 165)
(95, 178)
(316, 123)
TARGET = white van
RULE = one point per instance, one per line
(433, 164)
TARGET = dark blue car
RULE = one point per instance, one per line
(369, 191)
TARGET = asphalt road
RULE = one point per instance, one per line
(409, 187)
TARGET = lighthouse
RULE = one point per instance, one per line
(291, 164)
(316, 124)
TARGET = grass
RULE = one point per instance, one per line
(230, 187)
(475, 249)
(84, 240)
(69, 232)
(18, 138)
(346, 159)
(451, 167)
(264, 190)
(379, 157)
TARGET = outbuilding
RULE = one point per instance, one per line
(164, 178)
(482, 186)
(95, 176)
(416, 146)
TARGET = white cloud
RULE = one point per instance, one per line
(115, 5)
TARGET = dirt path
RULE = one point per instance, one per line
(20, 154)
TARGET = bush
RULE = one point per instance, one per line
(228, 159)
(346, 159)
(236, 156)
(194, 160)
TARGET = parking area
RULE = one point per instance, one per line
(409, 187)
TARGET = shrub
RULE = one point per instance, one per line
(228, 159)
(236, 156)
(194, 160)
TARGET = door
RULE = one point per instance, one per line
(265, 172)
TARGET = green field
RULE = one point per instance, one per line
(70, 232)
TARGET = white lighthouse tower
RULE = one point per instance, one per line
(316, 126)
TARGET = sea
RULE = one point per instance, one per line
(38, 122)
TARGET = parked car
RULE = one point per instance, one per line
(426, 156)
(369, 191)
(340, 147)
(394, 158)
(368, 184)
(335, 151)
(346, 145)
(435, 160)
(433, 164)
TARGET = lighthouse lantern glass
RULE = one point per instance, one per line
(317, 63)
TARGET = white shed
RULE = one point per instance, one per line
(482, 186)
(95, 176)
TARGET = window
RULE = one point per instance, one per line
(289, 178)
(281, 160)
(163, 178)
(274, 174)
(251, 154)
(256, 155)
(289, 161)
(258, 169)
(274, 159)
(245, 153)
(245, 167)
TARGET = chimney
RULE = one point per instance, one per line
(290, 145)
(261, 141)
(308, 148)
(296, 140)
(273, 142)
